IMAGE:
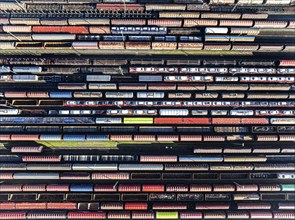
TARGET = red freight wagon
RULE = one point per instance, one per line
(46, 29)
(110, 176)
(105, 188)
(6, 176)
(5, 137)
(12, 215)
(34, 188)
(270, 24)
(11, 188)
(291, 24)
(158, 158)
(112, 206)
(15, 94)
(138, 45)
(75, 29)
(37, 94)
(30, 205)
(267, 137)
(153, 188)
(191, 215)
(86, 215)
(169, 206)
(238, 23)
(199, 22)
(226, 120)
(7, 205)
(200, 188)
(62, 205)
(287, 63)
(224, 188)
(182, 121)
(190, 137)
(99, 30)
(53, 158)
(190, 46)
(165, 22)
(254, 121)
(119, 7)
(46, 215)
(121, 137)
(177, 188)
(26, 149)
(246, 188)
(17, 28)
(213, 138)
(251, 47)
(197, 120)
(129, 188)
(136, 206)
(254, 16)
(4, 20)
(164, 45)
(58, 188)
(132, 86)
(142, 215)
(167, 137)
(283, 215)
(194, 87)
(238, 215)
(111, 45)
(119, 215)
(162, 86)
(54, 21)
(25, 137)
(255, 205)
(217, 46)
(212, 206)
(215, 215)
(270, 188)
(128, 21)
(287, 137)
(144, 137)
(78, 176)
(261, 214)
